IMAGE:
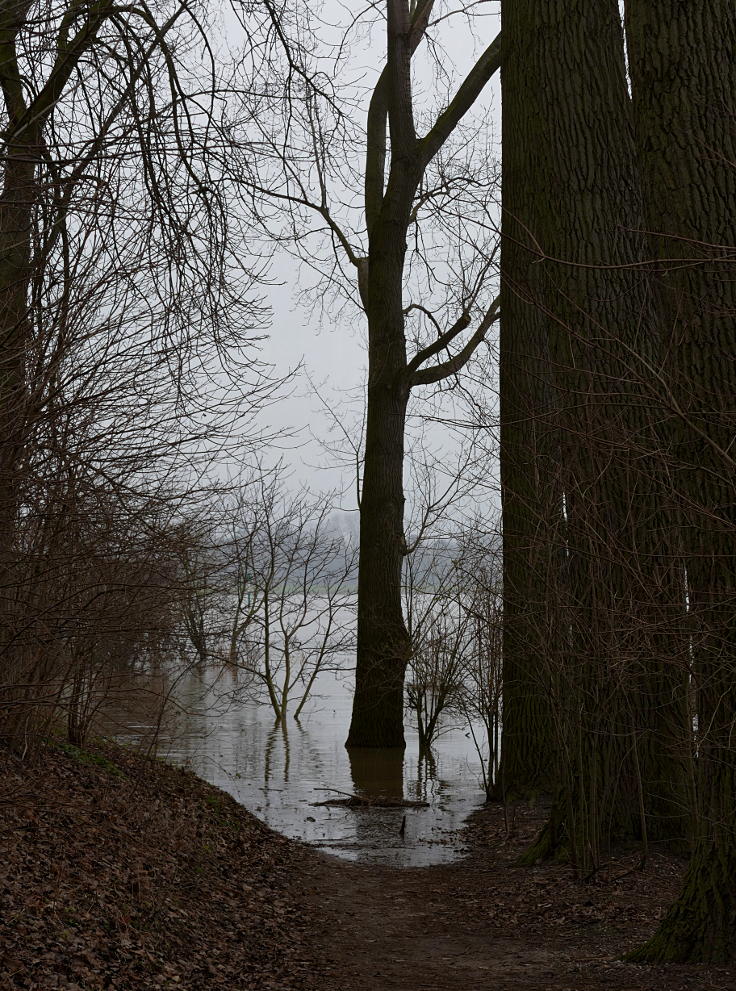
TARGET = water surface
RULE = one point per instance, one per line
(281, 772)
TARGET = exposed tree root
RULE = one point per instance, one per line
(549, 844)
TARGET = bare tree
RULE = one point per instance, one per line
(278, 600)
(439, 632)
(426, 310)
(479, 570)
(121, 287)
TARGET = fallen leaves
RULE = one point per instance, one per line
(145, 878)
(123, 873)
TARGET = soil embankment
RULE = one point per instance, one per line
(129, 874)
(121, 873)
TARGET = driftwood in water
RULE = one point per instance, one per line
(351, 801)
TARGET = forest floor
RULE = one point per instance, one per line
(484, 923)
(123, 873)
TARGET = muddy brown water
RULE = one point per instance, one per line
(281, 772)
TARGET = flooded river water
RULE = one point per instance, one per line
(282, 772)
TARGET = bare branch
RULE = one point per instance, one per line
(398, 65)
(470, 89)
(375, 165)
(461, 324)
(428, 376)
(68, 56)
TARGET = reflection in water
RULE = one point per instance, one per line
(426, 773)
(276, 751)
(377, 773)
(281, 772)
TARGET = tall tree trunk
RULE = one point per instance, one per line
(16, 208)
(683, 82)
(574, 300)
(383, 639)
(532, 521)
(16, 204)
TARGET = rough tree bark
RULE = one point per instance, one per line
(578, 498)
(532, 523)
(383, 640)
(683, 83)
(562, 161)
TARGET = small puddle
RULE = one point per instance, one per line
(283, 772)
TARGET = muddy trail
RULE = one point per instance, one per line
(483, 923)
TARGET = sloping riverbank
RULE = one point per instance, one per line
(123, 873)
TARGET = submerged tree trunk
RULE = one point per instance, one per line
(683, 82)
(383, 640)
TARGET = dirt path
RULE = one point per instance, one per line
(123, 874)
(485, 924)
(414, 929)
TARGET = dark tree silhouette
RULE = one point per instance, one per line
(684, 79)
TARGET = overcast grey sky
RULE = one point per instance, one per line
(331, 347)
